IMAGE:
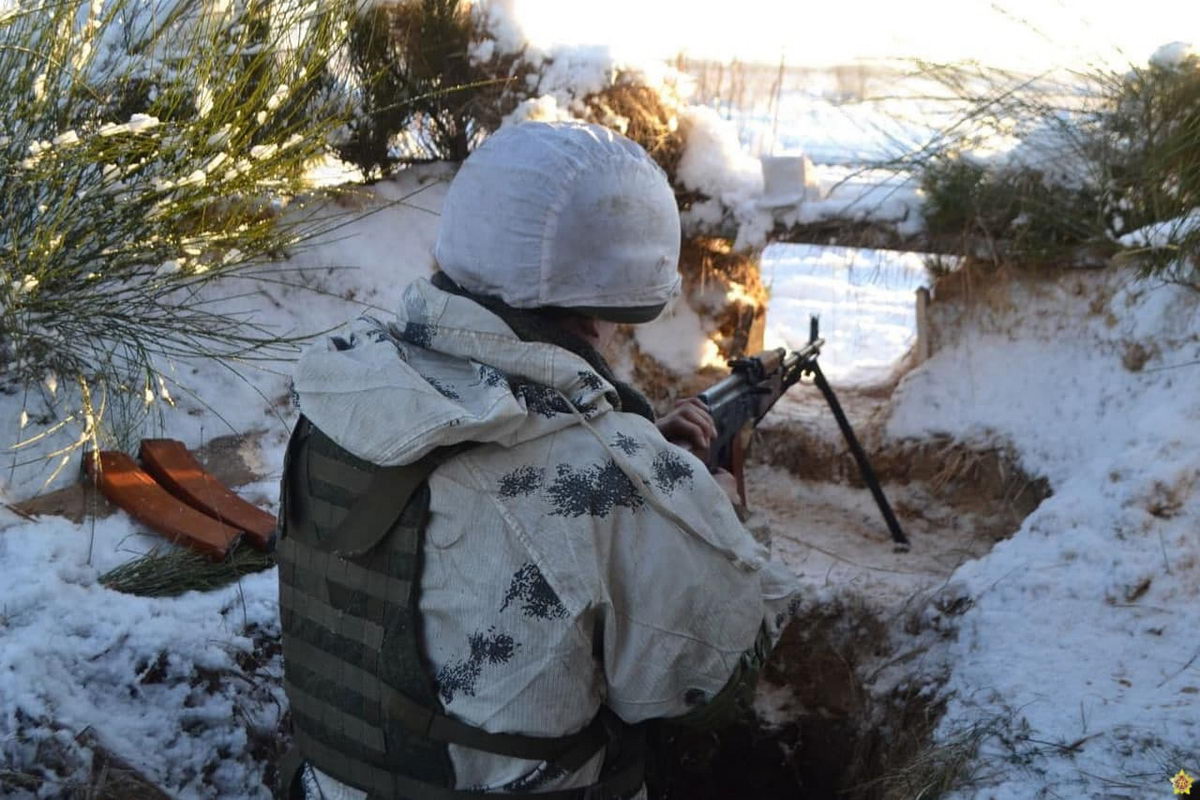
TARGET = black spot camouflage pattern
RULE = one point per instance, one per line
(590, 379)
(670, 470)
(418, 333)
(522, 481)
(490, 376)
(542, 400)
(446, 391)
(537, 598)
(376, 329)
(461, 675)
(594, 490)
(627, 444)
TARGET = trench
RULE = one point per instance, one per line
(840, 711)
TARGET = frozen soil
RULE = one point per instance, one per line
(953, 501)
(835, 709)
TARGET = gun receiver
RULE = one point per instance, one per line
(754, 386)
(739, 402)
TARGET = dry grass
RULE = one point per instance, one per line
(726, 287)
(63, 770)
(935, 769)
(642, 114)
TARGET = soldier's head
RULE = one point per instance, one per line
(567, 217)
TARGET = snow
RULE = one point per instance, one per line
(713, 160)
(1080, 640)
(1163, 234)
(864, 298)
(835, 539)
(678, 340)
(78, 656)
(1174, 55)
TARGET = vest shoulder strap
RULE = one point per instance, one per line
(364, 708)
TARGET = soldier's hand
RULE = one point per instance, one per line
(690, 426)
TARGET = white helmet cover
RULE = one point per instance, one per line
(565, 215)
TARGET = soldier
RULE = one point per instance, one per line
(494, 562)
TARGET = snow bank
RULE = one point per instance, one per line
(1174, 55)
(1081, 636)
(167, 684)
(714, 162)
(1163, 234)
(679, 340)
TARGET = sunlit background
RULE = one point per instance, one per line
(1017, 34)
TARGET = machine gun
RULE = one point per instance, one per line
(739, 402)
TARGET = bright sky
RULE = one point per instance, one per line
(1031, 34)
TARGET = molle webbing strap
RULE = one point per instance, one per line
(363, 705)
(349, 579)
(533, 748)
(621, 779)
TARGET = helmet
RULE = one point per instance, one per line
(563, 215)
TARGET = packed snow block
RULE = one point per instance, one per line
(178, 471)
(788, 181)
(124, 483)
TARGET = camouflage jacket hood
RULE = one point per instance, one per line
(457, 370)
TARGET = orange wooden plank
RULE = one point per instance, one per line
(173, 466)
(125, 484)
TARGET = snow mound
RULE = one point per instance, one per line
(1174, 55)
(1080, 636)
(1165, 233)
(175, 686)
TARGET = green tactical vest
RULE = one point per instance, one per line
(364, 707)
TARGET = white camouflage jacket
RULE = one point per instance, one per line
(571, 519)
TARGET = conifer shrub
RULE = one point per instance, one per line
(1005, 216)
(1096, 159)
(145, 152)
(1152, 141)
(424, 94)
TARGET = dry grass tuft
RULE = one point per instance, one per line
(641, 113)
(63, 769)
(726, 287)
(935, 769)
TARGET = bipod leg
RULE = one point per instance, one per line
(860, 456)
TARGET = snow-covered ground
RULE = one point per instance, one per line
(1080, 641)
(169, 684)
(1081, 632)
(864, 299)
(1082, 625)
